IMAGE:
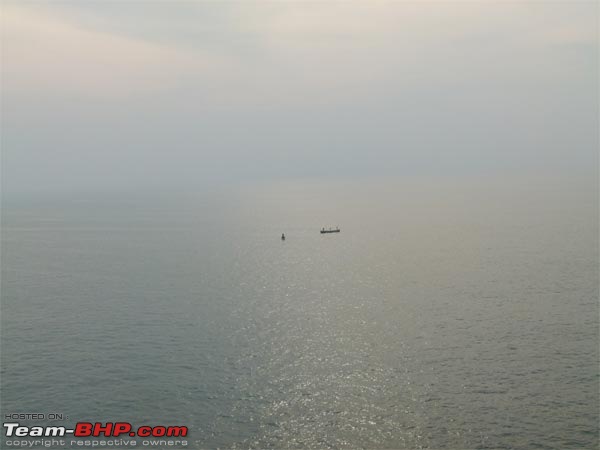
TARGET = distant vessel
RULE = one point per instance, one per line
(330, 230)
(282, 237)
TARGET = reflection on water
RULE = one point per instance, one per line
(443, 315)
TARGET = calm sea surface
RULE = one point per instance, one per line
(445, 315)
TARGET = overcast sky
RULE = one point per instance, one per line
(127, 95)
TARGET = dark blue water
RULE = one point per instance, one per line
(444, 315)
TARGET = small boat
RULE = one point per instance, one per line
(282, 237)
(330, 230)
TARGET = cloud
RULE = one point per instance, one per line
(256, 54)
(44, 55)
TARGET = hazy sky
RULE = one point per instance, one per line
(126, 95)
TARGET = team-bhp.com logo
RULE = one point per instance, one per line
(86, 429)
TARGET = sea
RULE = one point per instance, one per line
(448, 313)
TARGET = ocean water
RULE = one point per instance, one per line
(446, 314)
